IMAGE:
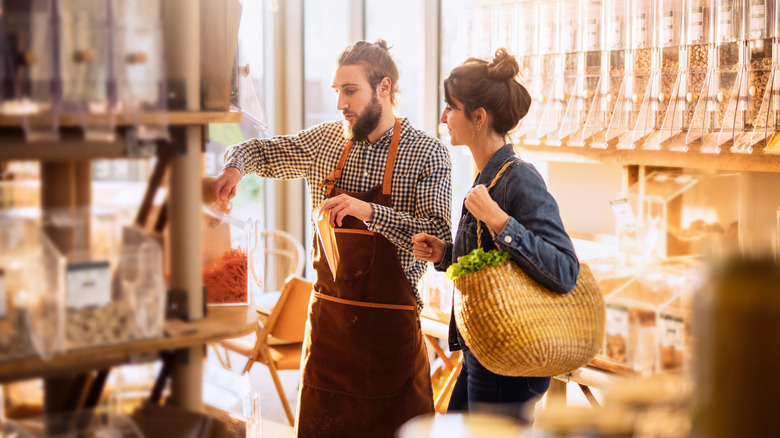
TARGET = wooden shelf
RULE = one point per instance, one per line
(173, 118)
(757, 162)
(220, 323)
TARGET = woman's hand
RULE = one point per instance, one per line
(428, 248)
(484, 208)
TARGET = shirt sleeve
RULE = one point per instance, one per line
(279, 157)
(433, 203)
(535, 237)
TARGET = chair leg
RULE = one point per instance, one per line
(280, 390)
(224, 359)
(448, 385)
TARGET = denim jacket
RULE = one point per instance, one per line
(534, 236)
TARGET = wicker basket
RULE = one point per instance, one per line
(517, 327)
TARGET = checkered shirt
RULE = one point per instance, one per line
(422, 178)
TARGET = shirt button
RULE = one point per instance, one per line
(365, 173)
(508, 239)
(370, 148)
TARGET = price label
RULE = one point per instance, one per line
(88, 285)
(672, 332)
(624, 214)
(757, 19)
(696, 28)
(617, 320)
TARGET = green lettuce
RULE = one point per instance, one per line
(476, 260)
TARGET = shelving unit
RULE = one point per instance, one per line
(65, 182)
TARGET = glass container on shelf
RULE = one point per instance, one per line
(702, 65)
(727, 111)
(694, 67)
(139, 66)
(573, 103)
(665, 101)
(84, 61)
(591, 117)
(633, 314)
(762, 81)
(29, 27)
(550, 59)
(604, 121)
(636, 102)
(32, 290)
(530, 68)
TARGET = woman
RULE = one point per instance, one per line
(484, 102)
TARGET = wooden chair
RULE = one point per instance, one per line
(278, 342)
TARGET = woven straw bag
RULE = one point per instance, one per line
(517, 327)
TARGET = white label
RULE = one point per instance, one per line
(617, 320)
(592, 35)
(616, 42)
(89, 284)
(640, 31)
(624, 214)
(2, 295)
(757, 19)
(726, 21)
(696, 29)
(668, 29)
(672, 332)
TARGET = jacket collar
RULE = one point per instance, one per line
(506, 153)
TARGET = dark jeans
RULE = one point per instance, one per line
(480, 390)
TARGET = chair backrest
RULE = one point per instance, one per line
(283, 254)
(287, 321)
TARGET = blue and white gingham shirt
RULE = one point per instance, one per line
(422, 178)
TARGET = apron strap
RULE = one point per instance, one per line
(330, 180)
(364, 303)
(386, 186)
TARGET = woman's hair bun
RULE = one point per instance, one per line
(503, 67)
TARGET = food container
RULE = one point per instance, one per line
(610, 100)
(115, 290)
(436, 293)
(31, 291)
(633, 313)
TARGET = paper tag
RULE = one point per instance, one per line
(88, 284)
(672, 331)
(2, 294)
(624, 214)
(617, 320)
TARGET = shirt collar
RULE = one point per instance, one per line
(494, 164)
(388, 136)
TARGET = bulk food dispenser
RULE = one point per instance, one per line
(29, 32)
(636, 102)
(617, 36)
(694, 65)
(762, 80)
(139, 66)
(85, 57)
(663, 112)
(550, 98)
(591, 119)
(724, 111)
(573, 103)
(530, 67)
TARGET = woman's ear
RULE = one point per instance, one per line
(480, 116)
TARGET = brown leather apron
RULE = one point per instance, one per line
(365, 367)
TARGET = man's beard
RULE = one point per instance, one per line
(366, 122)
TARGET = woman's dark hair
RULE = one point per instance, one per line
(490, 85)
(376, 61)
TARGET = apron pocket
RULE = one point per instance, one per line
(357, 249)
(363, 351)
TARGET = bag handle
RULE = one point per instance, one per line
(490, 186)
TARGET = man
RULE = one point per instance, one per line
(364, 367)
